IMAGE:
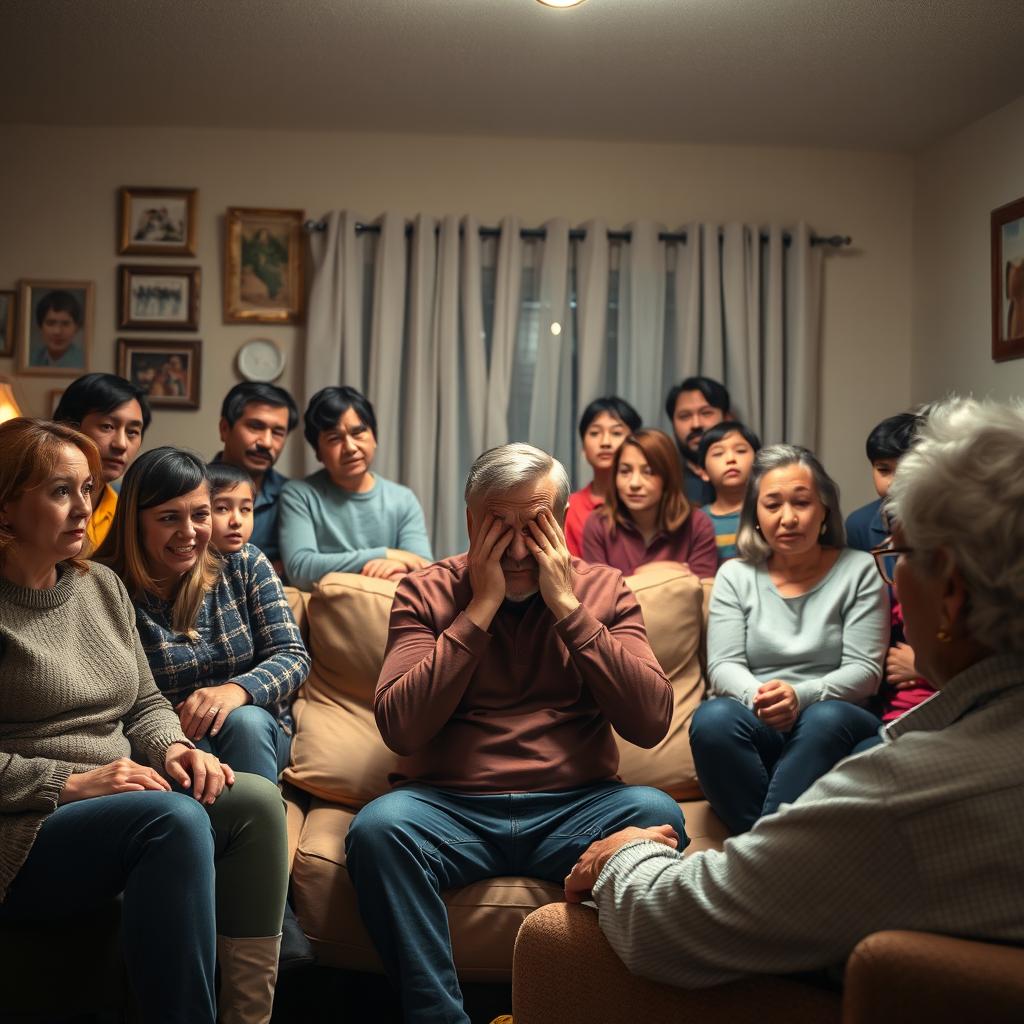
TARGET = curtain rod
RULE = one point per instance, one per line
(578, 234)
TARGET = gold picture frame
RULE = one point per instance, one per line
(264, 273)
(60, 349)
(157, 221)
(167, 369)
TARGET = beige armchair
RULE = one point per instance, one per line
(565, 972)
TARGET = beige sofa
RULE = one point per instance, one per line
(339, 763)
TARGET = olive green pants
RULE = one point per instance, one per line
(251, 857)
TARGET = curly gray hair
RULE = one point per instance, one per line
(960, 488)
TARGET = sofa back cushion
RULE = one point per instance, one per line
(337, 752)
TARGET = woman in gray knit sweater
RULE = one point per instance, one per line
(93, 760)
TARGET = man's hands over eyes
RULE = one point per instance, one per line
(546, 543)
(490, 540)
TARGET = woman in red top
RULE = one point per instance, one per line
(646, 519)
(604, 425)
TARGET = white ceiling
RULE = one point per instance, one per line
(878, 74)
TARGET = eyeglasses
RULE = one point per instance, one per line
(886, 557)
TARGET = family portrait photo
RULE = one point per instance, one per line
(158, 298)
(54, 327)
(168, 371)
(158, 221)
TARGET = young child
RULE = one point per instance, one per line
(726, 454)
(886, 445)
(232, 494)
(867, 528)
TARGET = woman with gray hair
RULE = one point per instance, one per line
(797, 633)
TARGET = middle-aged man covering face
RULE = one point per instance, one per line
(506, 670)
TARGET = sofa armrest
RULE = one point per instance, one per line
(901, 976)
(564, 972)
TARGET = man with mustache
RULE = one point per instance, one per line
(693, 406)
(255, 421)
(506, 669)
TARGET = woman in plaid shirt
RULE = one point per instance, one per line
(217, 630)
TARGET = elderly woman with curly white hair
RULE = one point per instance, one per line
(922, 832)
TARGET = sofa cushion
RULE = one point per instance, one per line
(337, 753)
(672, 603)
(483, 917)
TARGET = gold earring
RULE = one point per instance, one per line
(943, 636)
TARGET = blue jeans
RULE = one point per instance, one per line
(156, 848)
(251, 740)
(747, 769)
(405, 847)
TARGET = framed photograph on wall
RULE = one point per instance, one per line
(1008, 281)
(53, 397)
(8, 321)
(167, 370)
(157, 221)
(263, 266)
(54, 334)
(158, 298)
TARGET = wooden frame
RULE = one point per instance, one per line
(158, 298)
(8, 321)
(264, 254)
(157, 221)
(168, 370)
(1008, 281)
(50, 352)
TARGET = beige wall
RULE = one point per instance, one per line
(57, 217)
(959, 182)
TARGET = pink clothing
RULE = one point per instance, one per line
(526, 706)
(693, 543)
(581, 504)
(899, 702)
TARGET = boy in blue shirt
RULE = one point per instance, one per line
(885, 446)
(726, 455)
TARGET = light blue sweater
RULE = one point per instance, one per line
(827, 644)
(324, 528)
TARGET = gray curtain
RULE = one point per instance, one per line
(432, 325)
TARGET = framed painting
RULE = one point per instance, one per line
(8, 321)
(157, 221)
(54, 335)
(263, 266)
(1008, 281)
(158, 298)
(167, 370)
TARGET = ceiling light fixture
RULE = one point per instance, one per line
(560, 3)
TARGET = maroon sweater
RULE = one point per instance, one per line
(528, 706)
(693, 543)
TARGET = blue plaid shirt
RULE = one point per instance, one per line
(246, 635)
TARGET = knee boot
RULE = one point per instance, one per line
(248, 975)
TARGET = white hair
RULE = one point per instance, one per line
(510, 466)
(961, 487)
